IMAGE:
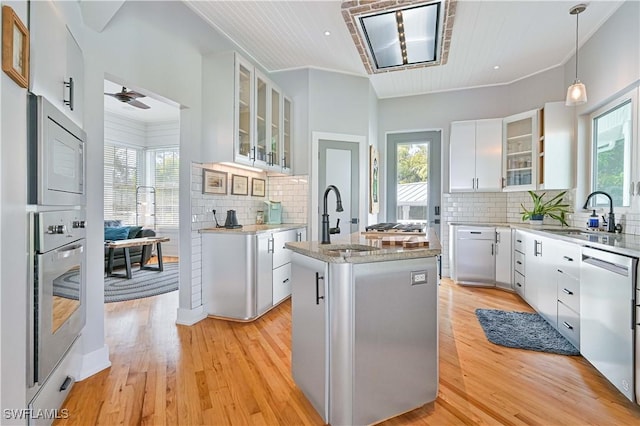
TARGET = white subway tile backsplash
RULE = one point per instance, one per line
(291, 191)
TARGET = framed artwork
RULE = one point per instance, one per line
(374, 184)
(239, 185)
(214, 182)
(257, 187)
(15, 47)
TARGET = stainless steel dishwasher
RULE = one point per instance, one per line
(475, 255)
(607, 316)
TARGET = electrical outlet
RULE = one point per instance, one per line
(418, 277)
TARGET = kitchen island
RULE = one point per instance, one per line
(365, 326)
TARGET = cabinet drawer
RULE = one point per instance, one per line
(569, 324)
(568, 290)
(281, 283)
(518, 283)
(518, 262)
(568, 259)
(518, 241)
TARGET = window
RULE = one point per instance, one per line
(612, 136)
(166, 164)
(141, 186)
(122, 172)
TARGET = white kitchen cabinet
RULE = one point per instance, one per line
(519, 150)
(57, 63)
(282, 262)
(540, 290)
(229, 109)
(287, 147)
(503, 253)
(245, 115)
(567, 274)
(556, 153)
(519, 256)
(475, 156)
(309, 330)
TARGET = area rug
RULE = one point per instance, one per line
(523, 330)
(143, 283)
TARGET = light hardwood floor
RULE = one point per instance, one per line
(220, 373)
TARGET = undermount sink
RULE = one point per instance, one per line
(343, 250)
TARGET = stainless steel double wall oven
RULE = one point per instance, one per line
(57, 220)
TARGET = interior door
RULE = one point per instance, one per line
(339, 165)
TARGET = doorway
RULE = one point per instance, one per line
(337, 160)
(339, 166)
(141, 187)
(414, 181)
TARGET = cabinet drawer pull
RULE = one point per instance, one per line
(566, 324)
(567, 258)
(318, 297)
(519, 241)
(518, 284)
(561, 271)
(286, 280)
(518, 262)
(567, 291)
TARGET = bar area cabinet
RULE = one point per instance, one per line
(519, 160)
(248, 118)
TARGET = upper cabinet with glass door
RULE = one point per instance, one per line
(228, 109)
(273, 126)
(243, 115)
(520, 136)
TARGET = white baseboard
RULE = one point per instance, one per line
(94, 362)
(190, 316)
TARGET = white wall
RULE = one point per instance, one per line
(609, 65)
(163, 60)
(13, 245)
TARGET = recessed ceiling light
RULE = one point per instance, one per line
(496, 67)
(327, 33)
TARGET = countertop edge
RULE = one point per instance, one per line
(623, 247)
(253, 229)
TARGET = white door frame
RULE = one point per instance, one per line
(313, 181)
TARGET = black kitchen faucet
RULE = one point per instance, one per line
(326, 230)
(611, 222)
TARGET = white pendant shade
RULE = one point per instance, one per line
(576, 94)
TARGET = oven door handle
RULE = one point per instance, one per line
(68, 252)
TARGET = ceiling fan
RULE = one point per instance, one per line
(129, 97)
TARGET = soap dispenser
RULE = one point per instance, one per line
(593, 221)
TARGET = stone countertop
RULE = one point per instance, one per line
(625, 244)
(254, 229)
(356, 248)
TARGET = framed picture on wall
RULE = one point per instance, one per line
(257, 187)
(374, 167)
(15, 47)
(214, 182)
(239, 185)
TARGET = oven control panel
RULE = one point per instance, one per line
(56, 228)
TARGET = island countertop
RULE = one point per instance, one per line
(356, 248)
(254, 229)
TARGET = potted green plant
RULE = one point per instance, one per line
(554, 208)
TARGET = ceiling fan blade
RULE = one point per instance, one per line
(133, 94)
(138, 104)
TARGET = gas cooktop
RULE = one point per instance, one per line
(396, 227)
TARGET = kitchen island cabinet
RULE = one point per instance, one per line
(246, 271)
(365, 327)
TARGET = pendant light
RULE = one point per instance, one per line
(576, 93)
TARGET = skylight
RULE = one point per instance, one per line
(402, 37)
(407, 34)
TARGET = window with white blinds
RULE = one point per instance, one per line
(122, 173)
(164, 171)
